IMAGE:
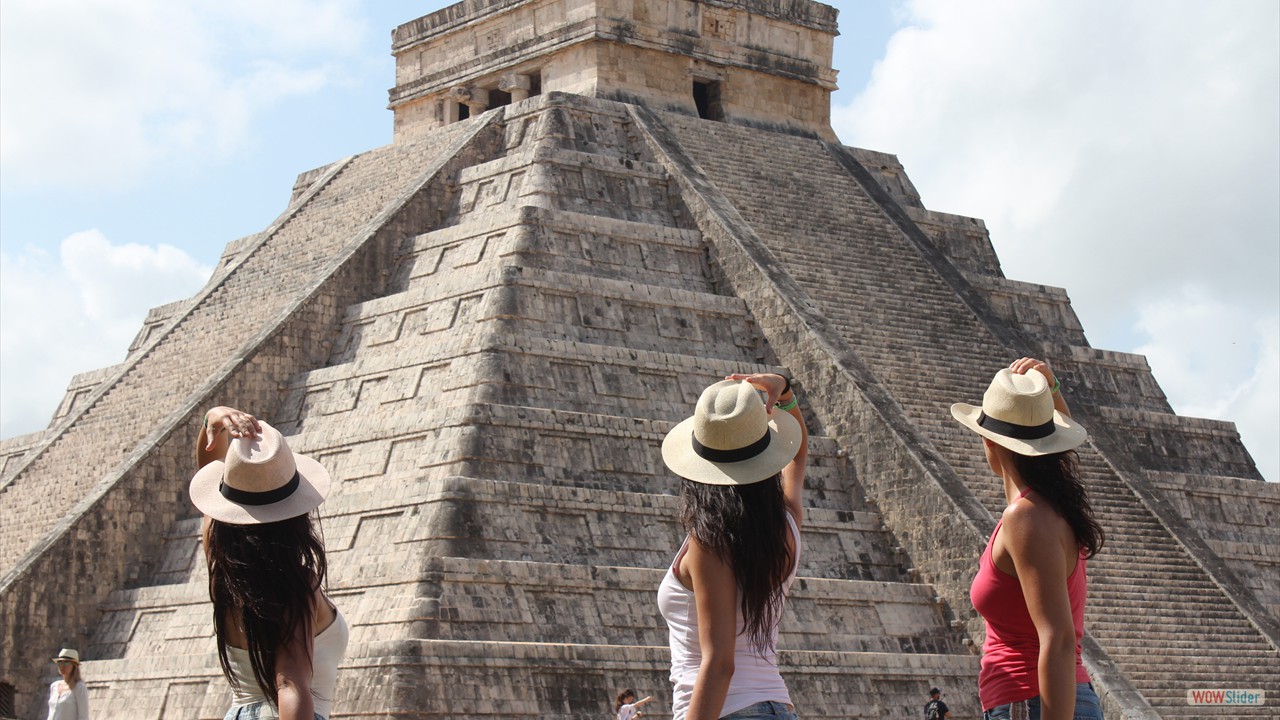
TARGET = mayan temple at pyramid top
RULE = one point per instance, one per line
(754, 62)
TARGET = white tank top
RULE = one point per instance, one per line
(755, 675)
(326, 653)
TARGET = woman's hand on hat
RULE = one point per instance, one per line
(237, 423)
(1022, 366)
(771, 383)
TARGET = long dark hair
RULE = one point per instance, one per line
(746, 527)
(265, 576)
(1056, 478)
(622, 698)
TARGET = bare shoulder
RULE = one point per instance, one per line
(700, 563)
(323, 611)
(1031, 520)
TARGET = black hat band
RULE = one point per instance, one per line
(1021, 432)
(734, 455)
(244, 497)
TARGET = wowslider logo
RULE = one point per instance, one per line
(1226, 697)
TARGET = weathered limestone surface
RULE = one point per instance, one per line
(764, 62)
(801, 213)
(106, 482)
(493, 413)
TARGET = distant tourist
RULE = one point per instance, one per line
(279, 637)
(935, 709)
(627, 708)
(1030, 586)
(68, 698)
(743, 467)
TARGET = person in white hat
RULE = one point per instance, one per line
(279, 637)
(742, 460)
(68, 697)
(1032, 577)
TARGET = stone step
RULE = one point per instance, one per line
(1164, 442)
(470, 517)
(1180, 637)
(1108, 378)
(514, 601)
(506, 369)
(535, 303)
(566, 157)
(181, 553)
(485, 600)
(1041, 311)
(525, 444)
(289, 260)
(1260, 652)
(567, 179)
(563, 241)
(1201, 597)
(832, 685)
(575, 525)
(1176, 705)
(451, 678)
(910, 311)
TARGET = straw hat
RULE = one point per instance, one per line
(67, 654)
(1017, 413)
(260, 481)
(731, 439)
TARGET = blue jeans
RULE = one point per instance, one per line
(764, 711)
(1087, 707)
(254, 712)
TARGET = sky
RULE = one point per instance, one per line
(1129, 152)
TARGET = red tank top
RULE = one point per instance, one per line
(1012, 648)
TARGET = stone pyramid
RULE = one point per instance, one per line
(590, 212)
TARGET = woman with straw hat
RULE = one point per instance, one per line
(68, 698)
(1031, 581)
(279, 637)
(743, 464)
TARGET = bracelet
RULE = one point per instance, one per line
(1057, 386)
(786, 388)
(789, 404)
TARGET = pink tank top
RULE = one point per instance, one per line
(1010, 654)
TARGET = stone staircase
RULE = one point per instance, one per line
(928, 340)
(104, 484)
(485, 335)
(502, 517)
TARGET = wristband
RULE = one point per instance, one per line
(786, 388)
(789, 404)
(1057, 386)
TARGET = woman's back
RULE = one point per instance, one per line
(327, 651)
(755, 677)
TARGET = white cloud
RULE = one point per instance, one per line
(103, 92)
(1214, 361)
(77, 312)
(1125, 151)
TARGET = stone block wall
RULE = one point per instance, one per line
(500, 515)
(900, 326)
(768, 63)
(100, 539)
